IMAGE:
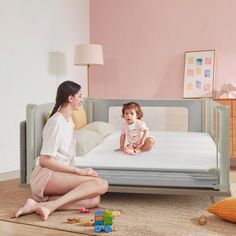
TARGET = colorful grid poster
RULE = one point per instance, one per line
(199, 74)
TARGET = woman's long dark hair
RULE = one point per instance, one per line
(65, 89)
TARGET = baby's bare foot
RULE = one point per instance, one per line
(129, 151)
(137, 150)
(29, 207)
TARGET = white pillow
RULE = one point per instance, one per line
(86, 140)
(102, 128)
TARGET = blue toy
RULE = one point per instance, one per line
(103, 221)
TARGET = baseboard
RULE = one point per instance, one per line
(10, 175)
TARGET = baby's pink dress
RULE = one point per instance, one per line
(134, 131)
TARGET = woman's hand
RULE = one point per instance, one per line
(86, 172)
(119, 149)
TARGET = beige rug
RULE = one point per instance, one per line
(140, 214)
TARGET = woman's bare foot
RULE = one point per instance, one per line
(29, 207)
(43, 212)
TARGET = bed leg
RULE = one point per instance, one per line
(215, 199)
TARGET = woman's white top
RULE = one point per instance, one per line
(58, 139)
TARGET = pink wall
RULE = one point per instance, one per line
(144, 43)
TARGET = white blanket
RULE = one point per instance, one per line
(174, 151)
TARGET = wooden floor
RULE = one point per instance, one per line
(14, 229)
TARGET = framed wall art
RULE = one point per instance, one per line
(199, 72)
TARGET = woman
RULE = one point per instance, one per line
(55, 182)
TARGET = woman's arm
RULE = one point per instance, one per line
(50, 163)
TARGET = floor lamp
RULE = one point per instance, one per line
(88, 54)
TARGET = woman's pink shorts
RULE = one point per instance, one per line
(38, 182)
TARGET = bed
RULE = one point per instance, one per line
(190, 157)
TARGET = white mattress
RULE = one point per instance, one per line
(174, 151)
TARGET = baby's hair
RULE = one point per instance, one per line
(65, 89)
(135, 106)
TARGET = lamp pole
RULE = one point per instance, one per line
(88, 79)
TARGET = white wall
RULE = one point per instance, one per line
(37, 40)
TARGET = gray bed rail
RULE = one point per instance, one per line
(35, 121)
(98, 109)
(217, 125)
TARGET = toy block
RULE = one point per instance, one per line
(99, 213)
(99, 218)
(99, 222)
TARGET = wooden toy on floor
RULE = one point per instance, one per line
(73, 220)
(116, 213)
(103, 221)
(201, 220)
(84, 210)
(87, 223)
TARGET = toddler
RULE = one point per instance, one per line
(135, 130)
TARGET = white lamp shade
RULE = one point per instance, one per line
(88, 54)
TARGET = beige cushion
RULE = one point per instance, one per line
(79, 117)
(102, 128)
(86, 140)
(46, 115)
(91, 135)
(225, 209)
